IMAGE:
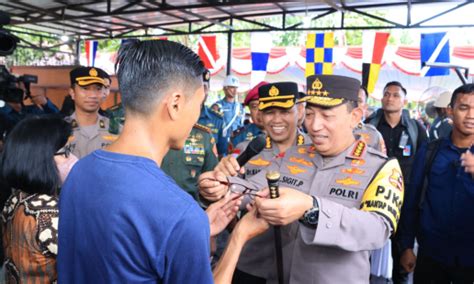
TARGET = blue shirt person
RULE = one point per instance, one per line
(122, 219)
(440, 217)
(232, 110)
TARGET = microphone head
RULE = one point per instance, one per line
(257, 144)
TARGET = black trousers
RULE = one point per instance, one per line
(241, 277)
(429, 271)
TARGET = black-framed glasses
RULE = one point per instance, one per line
(238, 187)
(66, 151)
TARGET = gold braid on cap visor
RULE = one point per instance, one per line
(322, 101)
(83, 81)
(276, 102)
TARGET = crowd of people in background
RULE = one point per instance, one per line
(151, 189)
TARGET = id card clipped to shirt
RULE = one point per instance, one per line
(403, 145)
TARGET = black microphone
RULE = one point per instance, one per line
(254, 147)
(273, 179)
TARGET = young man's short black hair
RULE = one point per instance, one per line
(147, 69)
(27, 162)
(464, 89)
(395, 83)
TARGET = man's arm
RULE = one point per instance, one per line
(410, 212)
(247, 228)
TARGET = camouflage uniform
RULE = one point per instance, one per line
(197, 156)
(214, 120)
(116, 116)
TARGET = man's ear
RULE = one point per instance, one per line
(300, 107)
(356, 116)
(72, 93)
(449, 111)
(175, 105)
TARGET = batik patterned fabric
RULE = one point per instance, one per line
(30, 238)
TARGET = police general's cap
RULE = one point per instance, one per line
(84, 76)
(253, 93)
(281, 94)
(330, 90)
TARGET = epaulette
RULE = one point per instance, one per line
(359, 149)
(203, 128)
(218, 113)
(299, 139)
(102, 123)
(268, 144)
(74, 124)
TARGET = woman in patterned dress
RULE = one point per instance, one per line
(34, 165)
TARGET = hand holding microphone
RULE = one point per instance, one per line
(231, 166)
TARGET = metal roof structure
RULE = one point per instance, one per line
(85, 19)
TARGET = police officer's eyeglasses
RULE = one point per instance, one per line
(63, 151)
(239, 189)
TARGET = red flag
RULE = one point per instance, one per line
(373, 47)
(208, 51)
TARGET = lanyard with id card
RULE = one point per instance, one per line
(403, 145)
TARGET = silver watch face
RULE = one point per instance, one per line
(311, 217)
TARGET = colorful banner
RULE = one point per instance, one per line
(319, 53)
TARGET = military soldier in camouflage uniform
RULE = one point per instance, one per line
(90, 129)
(197, 156)
(280, 116)
(339, 198)
(116, 116)
(251, 130)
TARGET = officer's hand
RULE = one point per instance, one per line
(213, 185)
(39, 100)
(467, 161)
(222, 212)
(408, 260)
(287, 208)
(251, 225)
(229, 166)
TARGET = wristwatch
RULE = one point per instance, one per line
(310, 218)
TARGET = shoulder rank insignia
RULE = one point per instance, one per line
(300, 139)
(268, 145)
(359, 150)
(347, 181)
(202, 127)
(259, 162)
(74, 123)
(294, 170)
(101, 123)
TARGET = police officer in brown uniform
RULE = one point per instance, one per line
(90, 129)
(339, 198)
(280, 116)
